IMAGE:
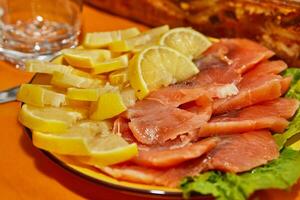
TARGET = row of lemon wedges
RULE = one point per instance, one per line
(84, 89)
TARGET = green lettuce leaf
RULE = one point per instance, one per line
(280, 173)
(294, 73)
(293, 129)
(293, 92)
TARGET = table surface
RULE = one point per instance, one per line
(26, 173)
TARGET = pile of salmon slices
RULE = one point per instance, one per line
(221, 119)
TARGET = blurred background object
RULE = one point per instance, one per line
(149, 12)
(38, 28)
(274, 23)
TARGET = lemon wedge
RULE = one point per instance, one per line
(50, 119)
(91, 94)
(111, 65)
(72, 80)
(37, 66)
(102, 39)
(140, 40)
(91, 142)
(85, 58)
(109, 105)
(119, 77)
(185, 40)
(158, 66)
(58, 60)
(38, 95)
(81, 73)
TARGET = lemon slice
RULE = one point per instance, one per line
(102, 39)
(59, 143)
(158, 66)
(121, 46)
(73, 141)
(119, 77)
(113, 155)
(140, 40)
(186, 40)
(37, 95)
(91, 142)
(91, 94)
(85, 58)
(111, 65)
(46, 67)
(109, 105)
(72, 80)
(37, 66)
(81, 73)
(50, 119)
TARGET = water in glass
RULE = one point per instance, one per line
(38, 28)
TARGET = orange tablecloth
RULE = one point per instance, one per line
(26, 173)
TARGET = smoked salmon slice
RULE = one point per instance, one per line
(252, 90)
(174, 156)
(157, 119)
(259, 84)
(271, 114)
(267, 67)
(162, 123)
(240, 54)
(120, 127)
(169, 154)
(242, 152)
(285, 84)
(225, 61)
(202, 107)
(176, 95)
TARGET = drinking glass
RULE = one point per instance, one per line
(37, 29)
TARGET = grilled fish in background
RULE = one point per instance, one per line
(274, 23)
